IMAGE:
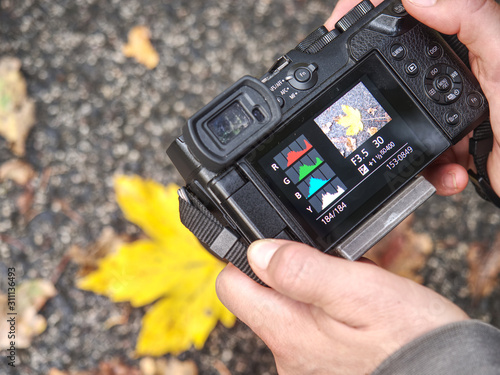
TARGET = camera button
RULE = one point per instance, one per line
(433, 93)
(475, 100)
(398, 9)
(443, 83)
(453, 96)
(434, 50)
(411, 68)
(454, 74)
(398, 51)
(452, 118)
(302, 75)
(435, 70)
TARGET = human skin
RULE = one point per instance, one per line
(326, 315)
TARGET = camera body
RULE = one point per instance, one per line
(326, 147)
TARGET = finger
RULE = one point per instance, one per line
(342, 7)
(254, 304)
(267, 312)
(309, 276)
(462, 17)
(448, 173)
(448, 179)
(353, 293)
(493, 165)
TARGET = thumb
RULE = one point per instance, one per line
(309, 276)
(355, 293)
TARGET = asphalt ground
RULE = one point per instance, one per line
(99, 114)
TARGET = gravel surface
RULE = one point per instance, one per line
(100, 114)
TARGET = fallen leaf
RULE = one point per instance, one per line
(31, 295)
(118, 320)
(372, 130)
(16, 170)
(17, 111)
(351, 144)
(351, 120)
(171, 268)
(108, 242)
(403, 251)
(484, 268)
(140, 48)
(170, 366)
(221, 367)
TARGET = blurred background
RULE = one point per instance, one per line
(98, 113)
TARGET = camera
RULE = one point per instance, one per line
(326, 148)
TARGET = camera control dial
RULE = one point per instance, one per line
(354, 15)
(302, 76)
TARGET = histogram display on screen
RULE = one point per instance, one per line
(314, 179)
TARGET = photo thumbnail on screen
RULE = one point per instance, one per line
(352, 119)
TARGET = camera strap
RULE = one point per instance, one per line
(217, 238)
(480, 146)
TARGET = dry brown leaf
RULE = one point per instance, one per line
(372, 130)
(351, 144)
(140, 48)
(17, 111)
(221, 367)
(31, 295)
(118, 320)
(484, 268)
(170, 366)
(88, 258)
(403, 251)
(16, 170)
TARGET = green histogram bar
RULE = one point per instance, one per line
(306, 169)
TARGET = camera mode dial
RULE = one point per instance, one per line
(302, 76)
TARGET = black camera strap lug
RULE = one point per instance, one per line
(217, 238)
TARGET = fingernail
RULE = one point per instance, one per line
(450, 181)
(423, 3)
(260, 253)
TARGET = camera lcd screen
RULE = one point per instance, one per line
(348, 152)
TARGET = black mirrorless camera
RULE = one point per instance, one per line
(327, 146)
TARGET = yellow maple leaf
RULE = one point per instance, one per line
(171, 268)
(351, 120)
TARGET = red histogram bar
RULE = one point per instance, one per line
(293, 156)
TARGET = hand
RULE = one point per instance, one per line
(475, 21)
(326, 315)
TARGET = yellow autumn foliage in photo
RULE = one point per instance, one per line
(170, 269)
(351, 120)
